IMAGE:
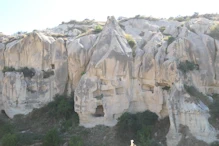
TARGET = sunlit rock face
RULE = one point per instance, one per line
(109, 78)
(44, 54)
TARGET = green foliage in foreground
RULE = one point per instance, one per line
(76, 141)
(9, 140)
(61, 107)
(136, 126)
(52, 138)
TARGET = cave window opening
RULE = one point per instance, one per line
(99, 111)
(53, 66)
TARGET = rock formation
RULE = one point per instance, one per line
(110, 77)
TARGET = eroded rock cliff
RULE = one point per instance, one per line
(110, 77)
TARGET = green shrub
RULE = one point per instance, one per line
(130, 40)
(52, 138)
(167, 88)
(98, 29)
(169, 39)
(76, 141)
(214, 31)
(47, 74)
(187, 66)
(129, 124)
(83, 73)
(9, 140)
(66, 125)
(61, 107)
(8, 69)
(162, 29)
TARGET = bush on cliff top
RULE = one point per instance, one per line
(130, 40)
(98, 29)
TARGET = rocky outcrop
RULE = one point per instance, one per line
(109, 78)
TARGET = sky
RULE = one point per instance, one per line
(27, 15)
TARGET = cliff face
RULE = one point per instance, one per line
(110, 78)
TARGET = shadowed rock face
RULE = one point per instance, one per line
(110, 78)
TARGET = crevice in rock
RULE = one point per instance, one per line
(215, 57)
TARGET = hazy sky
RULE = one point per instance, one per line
(27, 15)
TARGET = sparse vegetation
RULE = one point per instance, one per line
(169, 39)
(130, 40)
(130, 126)
(8, 69)
(27, 72)
(187, 66)
(214, 31)
(162, 29)
(47, 74)
(167, 88)
(98, 29)
(83, 73)
(182, 18)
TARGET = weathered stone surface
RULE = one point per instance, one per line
(110, 78)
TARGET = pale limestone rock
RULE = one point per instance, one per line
(78, 57)
(109, 79)
(2, 61)
(21, 95)
(199, 25)
(195, 116)
(106, 81)
(43, 54)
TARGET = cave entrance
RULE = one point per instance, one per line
(99, 111)
(53, 66)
